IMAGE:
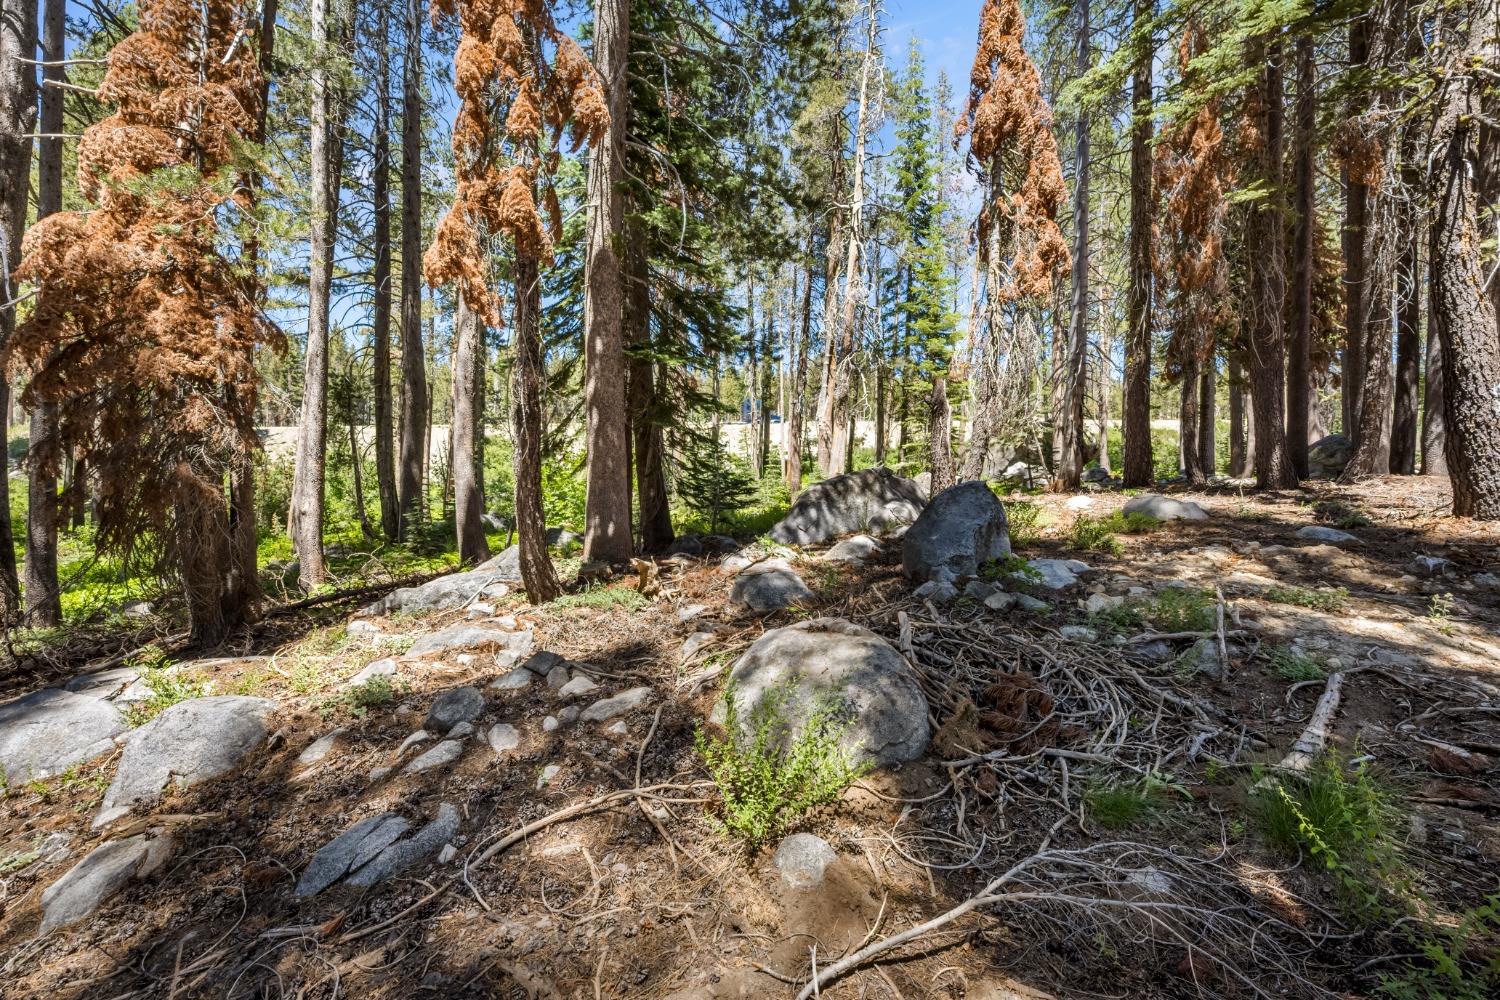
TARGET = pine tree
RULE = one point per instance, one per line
(712, 482)
(144, 333)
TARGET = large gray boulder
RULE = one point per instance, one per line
(768, 586)
(102, 873)
(48, 731)
(456, 638)
(452, 591)
(962, 529)
(1165, 508)
(829, 661)
(1327, 456)
(190, 742)
(845, 504)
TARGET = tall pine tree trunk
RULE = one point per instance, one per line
(306, 523)
(1208, 385)
(1408, 351)
(1466, 314)
(380, 332)
(1190, 413)
(1434, 436)
(409, 483)
(1267, 293)
(1239, 445)
(792, 430)
(1305, 217)
(940, 436)
(646, 445)
(1372, 432)
(1355, 200)
(537, 572)
(1068, 421)
(607, 533)
(17, 120)
(1136, 416)
(43, 599)
(466, 458)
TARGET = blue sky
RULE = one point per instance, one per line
(947, 30)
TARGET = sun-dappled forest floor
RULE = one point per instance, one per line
(1100, 780)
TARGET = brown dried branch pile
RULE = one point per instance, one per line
(1010, 133)
(503, 60)
(144, 334)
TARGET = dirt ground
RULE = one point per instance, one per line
(640, 895)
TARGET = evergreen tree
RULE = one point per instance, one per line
(712, 482)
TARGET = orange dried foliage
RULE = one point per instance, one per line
(502, 54)
(1193, 170)
(143, 335)
(1009, 126)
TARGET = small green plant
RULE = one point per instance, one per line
(1119, 805)
(1124, 619)
(359, 699)
(1340, 515)
(1461, 963)
(1014, 571)
(1323, 599)
(1440, 612)
(771, 777)
(1245, 512)
(1342, 819)
(1291, 665)
(1097, 534)
(1182, 609)
(605, 598)
(168, 685)
(1025, 520)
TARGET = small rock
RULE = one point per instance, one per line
(608, 708)
(690, 612)
(618, 729)
(853, 550)
(137, 609)
(768, 586)
(447, 854)
(514, 680)
(570, 713)
(542, 662)
(461, 730)
(102, 873)
(420, 736)
(380, 668)
(1078, 633)
(377, 773)
(1028, 603)
(579, 685)
(550, 723)
(802, 859)
(445, 752)
(1098, 603)
(1000, 601)
(465, 659)
(1323, 533)
(548, 773)
(1433, 565)
(1156, 651)
(1165, 508)
(557, 677)
(480, 610)
(503, 737)
(1489, 581)
(1059, 574)
(693, 643)
(936, 591)
(978, 590)
(319, 749)
(360, 628)
(1079, 503)
(457, 638)
(1203, 657)
(452, 707)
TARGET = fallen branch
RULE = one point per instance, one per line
(1315, 737)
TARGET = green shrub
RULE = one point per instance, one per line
(1118, 805)
(1325, 599)
(1462, 963)
(1013, 571)
(1341, 819)
(769, 780)
(1097, 534)
(1293, 666)
(168, 686)
(1340, 515)
(618, 596)
(1182, 609)
(1025, 521)
(373, 693)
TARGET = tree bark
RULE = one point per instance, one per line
(1187, 426)
(1355, 197)
(606, 534)
(1208, 387)
(1239, 451)
(537, 572)
(792, 430)
(1136, 415)
(17, 121)
(414, 420)
(1372, 431)
(1305, 211)
(307, 481)
(940, 436)
(43, 597)
(201, 538)
(380, 332)
(647, 446)
(466, 457)
(1466, 314)
(1068, 473)
(1403, 460)
(1267, 292)
(763, 450)
(1434, 435)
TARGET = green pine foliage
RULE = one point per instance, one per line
(713, 483)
